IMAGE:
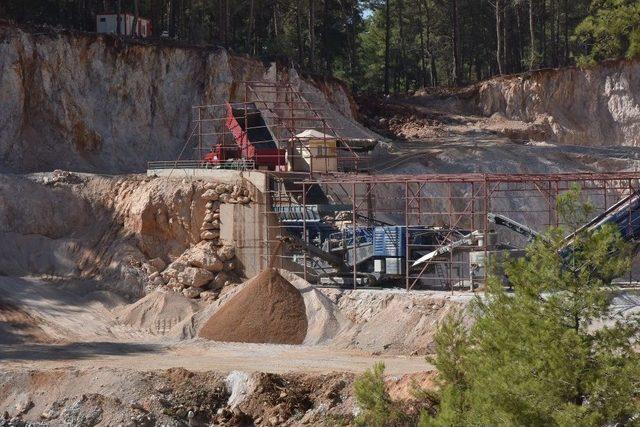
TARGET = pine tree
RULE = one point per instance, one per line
(611, 30)
(542, 355)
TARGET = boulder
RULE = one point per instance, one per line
(195, 277)
(226, 252)
(209, 226)
(221, 280)
(208, 295)
(210, 186)
(221, 188)
(208, 217)
(191, 292)
(173, 269)
(209, 195)
(209, 205)
(204, 255)
(158, 263)
(210, 235)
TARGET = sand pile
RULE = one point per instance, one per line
(158, 312)
(268, 309)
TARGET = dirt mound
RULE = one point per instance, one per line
(17, 326)
(157, 312)
(269, 309)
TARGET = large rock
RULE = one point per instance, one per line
(226, 252)
(195, 277)
(221, 280)
(173, 269)
(158, 263)
(191, 292)
(209, 195)
(210, 235)
(204, 255)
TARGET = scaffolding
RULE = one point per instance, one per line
(267, 130)
(332, 223)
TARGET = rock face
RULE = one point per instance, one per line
(131, 233)
(94, 103)
(596, 106)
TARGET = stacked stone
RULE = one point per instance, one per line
(210, 229)
(204, 269)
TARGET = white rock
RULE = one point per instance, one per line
(209, 226)
(191, 292)
(194, 276)
(204, 255)
(209, 195)
(227, 252)
(210, 235)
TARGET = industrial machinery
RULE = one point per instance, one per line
(253, 139)
(334, 247)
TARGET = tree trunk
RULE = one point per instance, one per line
(155, 18)
(498, 37)
(387, 50)
(455, 36)
(520, 48)
(326, 61)
(173, 17)
(423, 54)
(118, 17)
(251, 29)
(543, 33)
(505, 40)
(532, 36)
(403, 50)
(353, 59)
(566, 32)
(136, 15)
(433, 71)
(312, 33)
(299, 33)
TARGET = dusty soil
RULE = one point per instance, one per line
(269, 309)
(16, 325)
(442, 116)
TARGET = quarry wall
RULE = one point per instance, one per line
(581, 106)
(94, 103)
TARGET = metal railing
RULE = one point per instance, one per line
(232, 164)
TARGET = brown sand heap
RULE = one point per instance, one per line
(268, 309)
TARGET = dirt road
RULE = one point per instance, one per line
(197, 355)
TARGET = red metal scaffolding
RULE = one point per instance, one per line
(441, 207)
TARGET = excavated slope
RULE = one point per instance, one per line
(580, 106)
(93, 103)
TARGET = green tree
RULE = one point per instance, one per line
(542, 354)
(611, 30)
(376, 407)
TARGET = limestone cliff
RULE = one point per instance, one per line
(592, 106)
(88, 102)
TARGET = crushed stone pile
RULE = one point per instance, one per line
(268, 309)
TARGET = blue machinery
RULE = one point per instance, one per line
(380, 252)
